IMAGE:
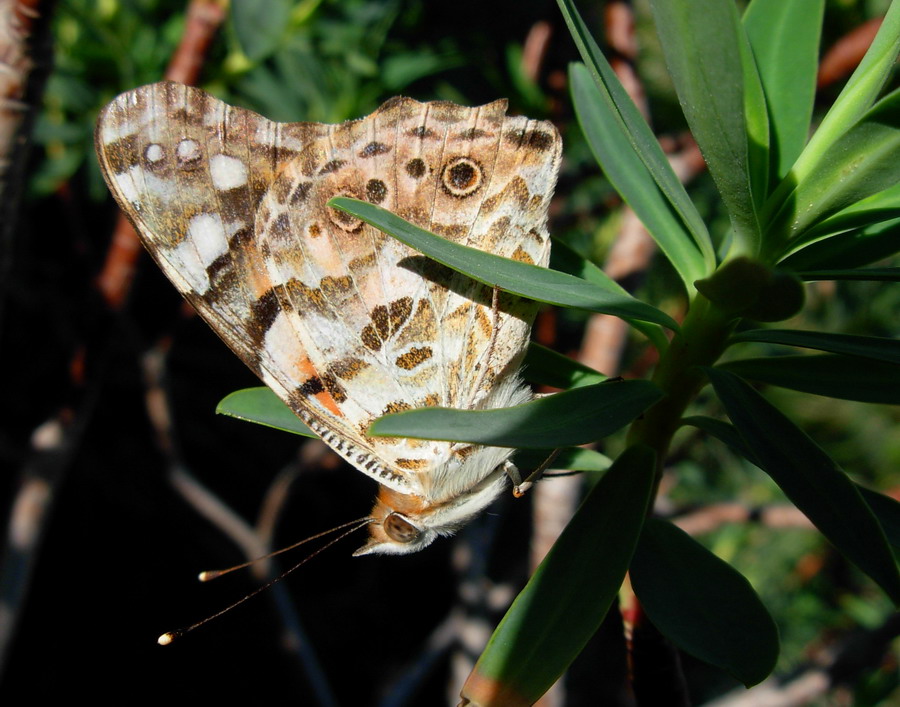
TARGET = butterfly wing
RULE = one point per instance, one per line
(343, 322)
(411, 332)
(190, 172)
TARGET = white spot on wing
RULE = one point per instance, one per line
(154, 153)
(227, 172)
(126, 184)
(207, 232)
(282, 345)
(187, 151)
(187, 262)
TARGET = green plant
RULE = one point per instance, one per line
(800, 210)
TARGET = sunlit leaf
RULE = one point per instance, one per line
(785, 33)
(569, 594)
(521, 279)
(627, 173)
(853, 249)
(573, 417)
(862, 162)
(634, 128)
(701, 41)
(262, 406)
(857, 96)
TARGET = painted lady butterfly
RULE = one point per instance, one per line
(344, 323)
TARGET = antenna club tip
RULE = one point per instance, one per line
(207, 575)
(166, 638)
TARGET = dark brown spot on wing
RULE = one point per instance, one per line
(305, 298)
(471, 134)
(300, 193)
(312, 386)
(281, 226)
(332, 166)
(334, 286)
(462, 177)
(370, 338)
(381, 321)
(414, 357)
(412, 464)
(265, 310)
(396, 406)
(374, 148)
(415, 168)
(376, 191)
(421, 132)
(348, 368)
(335, 389)
(400, 310)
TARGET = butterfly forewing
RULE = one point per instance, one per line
(343, 322)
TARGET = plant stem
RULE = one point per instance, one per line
(700, 342)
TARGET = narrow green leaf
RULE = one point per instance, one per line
(724, 432)
(829, 375)
(810, 478)
(873, 210)
(857, 97)
(701, 41)
(785, 33)
(566, 599)
(865, 274)
(635, 129)
(262, 406)
(885, 508)
(565, 259)
(757, 119)
(853, 249)
(702, 603)
(521, 279)
(860, 163)
(875, 347)
(628, 174)
(568, 458)
(260, 25)
(573, 417)
(547, 367)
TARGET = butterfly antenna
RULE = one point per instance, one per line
(166, 638)
(208, 575)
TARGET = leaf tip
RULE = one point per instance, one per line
(482, 690)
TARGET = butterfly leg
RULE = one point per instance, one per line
(520, 485)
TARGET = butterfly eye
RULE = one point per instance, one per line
(399, 529)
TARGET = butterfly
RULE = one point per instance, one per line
(342, 322)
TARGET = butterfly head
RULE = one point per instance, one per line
(404, 523)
